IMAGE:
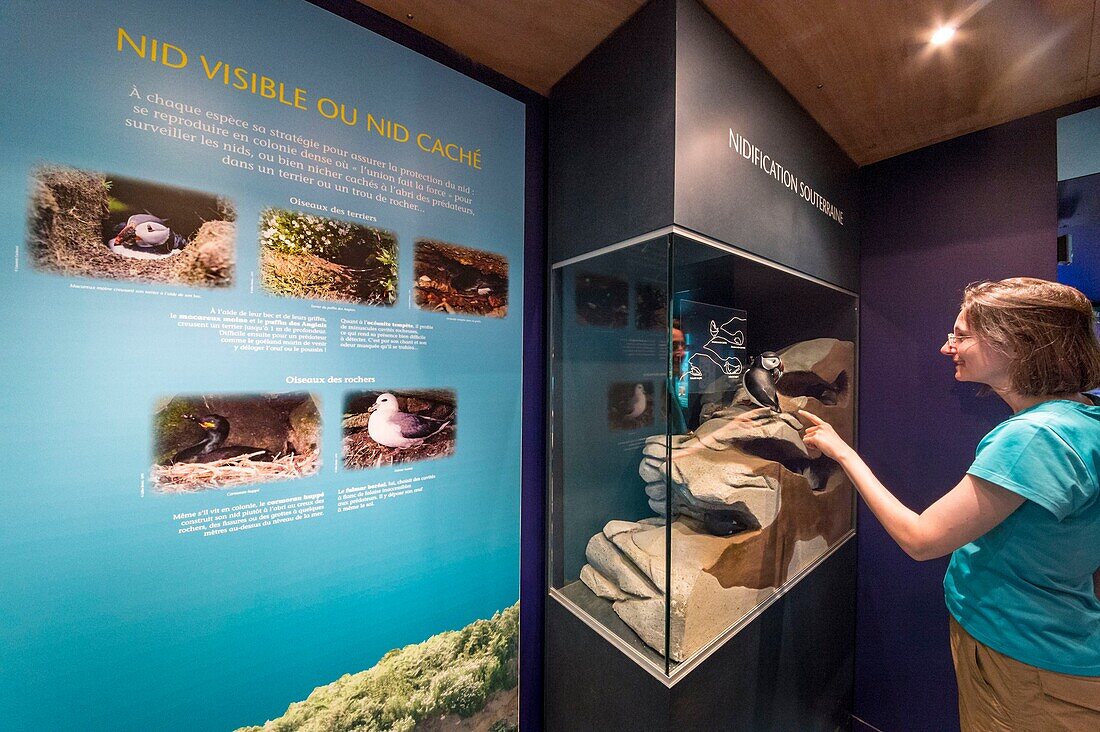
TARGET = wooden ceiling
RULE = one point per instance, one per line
(864, 69)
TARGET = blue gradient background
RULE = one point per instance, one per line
(108, 618)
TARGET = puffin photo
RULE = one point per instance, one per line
(145, 236)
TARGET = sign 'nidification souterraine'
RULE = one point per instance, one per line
(772, 167)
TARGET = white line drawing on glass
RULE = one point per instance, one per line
(722, 339)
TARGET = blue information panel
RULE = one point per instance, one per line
(261, 326)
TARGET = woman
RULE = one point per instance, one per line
(1023, 525)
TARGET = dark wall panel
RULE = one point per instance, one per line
(591, 685)
(790, 669)
(611, 136)
(719, 87)
(977, 207)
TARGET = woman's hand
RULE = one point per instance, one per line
(821, 436)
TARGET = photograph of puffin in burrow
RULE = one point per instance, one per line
(398, 426)
(223, 441)
(629, 405)
(93, 224)
(318, 258)
(454, 279)
(601, 301)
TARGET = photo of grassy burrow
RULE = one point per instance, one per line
(318, 258)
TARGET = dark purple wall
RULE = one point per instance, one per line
(983, 206)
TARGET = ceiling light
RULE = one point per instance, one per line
(943, 34)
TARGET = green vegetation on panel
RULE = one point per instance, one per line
(314, 257)
(462, 672)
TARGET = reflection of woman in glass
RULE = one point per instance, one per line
(678, 382)
(1023, 525)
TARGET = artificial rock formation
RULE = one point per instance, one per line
(751, 507)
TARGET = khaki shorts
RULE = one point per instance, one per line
(1001, 694)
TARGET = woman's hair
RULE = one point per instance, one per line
(1045, 328)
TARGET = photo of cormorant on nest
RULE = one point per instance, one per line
(601, 301)
(91, 224)
(629, 405)
(224, 441)
(453, 279)
(387, 427)
(317, 258)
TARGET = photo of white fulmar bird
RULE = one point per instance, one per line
(145, 236)
(637, 403)
(391, 427)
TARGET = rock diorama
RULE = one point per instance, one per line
(751, 506)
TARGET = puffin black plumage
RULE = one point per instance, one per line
(211, 449)
(760, 380)
(145, 236)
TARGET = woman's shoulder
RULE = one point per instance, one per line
(1055, 414)
(1049, 453)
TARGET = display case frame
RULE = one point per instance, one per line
(597, 614)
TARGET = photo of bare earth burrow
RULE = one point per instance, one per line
(317, 258)
(92, 224)
(453, 279)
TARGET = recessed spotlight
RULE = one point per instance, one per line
(409, 16)
(942, 35)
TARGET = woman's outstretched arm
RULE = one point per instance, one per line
(966, 512)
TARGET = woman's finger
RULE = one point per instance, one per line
(812, 418)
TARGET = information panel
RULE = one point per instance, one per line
(261, 323)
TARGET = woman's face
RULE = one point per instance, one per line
(974, 359)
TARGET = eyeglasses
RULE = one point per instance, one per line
(953, 340)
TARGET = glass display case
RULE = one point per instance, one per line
(683, 500)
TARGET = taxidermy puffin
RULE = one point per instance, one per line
(760, 380)
(391, 427)
(211, 448)
(145, 236)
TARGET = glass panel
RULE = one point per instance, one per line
(752, 507)
(609, 368)
(677, 370)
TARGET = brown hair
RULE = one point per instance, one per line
(1047, 329)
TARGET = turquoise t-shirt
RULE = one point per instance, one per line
(1025, 588)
